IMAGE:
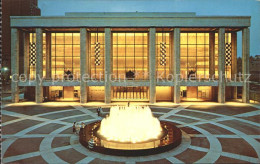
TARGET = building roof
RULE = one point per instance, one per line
(131, 14)
(136, 19)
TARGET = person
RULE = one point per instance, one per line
(98, 111)
(74, 127)
(82, 125)
(77, 128)
(91, 143)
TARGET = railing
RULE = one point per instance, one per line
(254, 93)
(254, 96)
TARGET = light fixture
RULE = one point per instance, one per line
(5, 69)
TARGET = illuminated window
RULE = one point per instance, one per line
(194, 55)
(130, 56)
(216, 55)
(65, 52)
(163, 55)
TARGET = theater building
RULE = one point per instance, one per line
(113, 57)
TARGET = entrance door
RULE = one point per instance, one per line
(130, 94)
(68, 93)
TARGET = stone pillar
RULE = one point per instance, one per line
(221, 65)
(48, 56)
(26, 42)
(15, 64)
(39, 66)
(212, 61)
(234, 61)
(245, 64)
(176, 64)
(211, 54)
(83, 65)
(108, 57)
(26, 61)
(152, 67)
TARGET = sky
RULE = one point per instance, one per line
(201, 7)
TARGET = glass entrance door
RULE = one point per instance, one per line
(130, 94)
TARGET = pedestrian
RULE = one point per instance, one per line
(91, 143)
(98, 111)
(82, 125)
(74, 127)
(77, 128)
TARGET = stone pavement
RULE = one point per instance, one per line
(211, 133)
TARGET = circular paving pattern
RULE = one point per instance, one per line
(210, 133)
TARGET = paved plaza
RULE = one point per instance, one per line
(211, 132)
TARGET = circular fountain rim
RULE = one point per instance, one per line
(176, 137)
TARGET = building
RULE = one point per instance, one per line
(254, 62)
(130, 57)
(15, 8)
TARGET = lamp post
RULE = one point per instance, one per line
(5, 71)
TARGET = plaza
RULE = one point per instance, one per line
(212, 132)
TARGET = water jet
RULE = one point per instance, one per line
(130, 131)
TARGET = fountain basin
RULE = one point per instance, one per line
(169, 138)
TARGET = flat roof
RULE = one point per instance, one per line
(133, 20)
(131, 14)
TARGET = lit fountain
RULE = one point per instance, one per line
(130, 124)
(130, 131)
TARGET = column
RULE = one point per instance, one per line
(83, 65)
(245, 64)
(108, 58)
(211, 55)
(212, 61)
(152, 67)
(176, 64)
(48, 56)
(221, 65)
(26, 42)
(15, 64)
(234, 61)
(26, 54)
(39, 66)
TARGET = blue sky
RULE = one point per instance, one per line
(201, 7)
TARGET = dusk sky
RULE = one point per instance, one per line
(201, 7)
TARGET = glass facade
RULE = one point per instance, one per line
(65, 55)
(194, 55)
(130, 60)
(130, 55)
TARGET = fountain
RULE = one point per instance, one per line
(130, 131)
(130, 124)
